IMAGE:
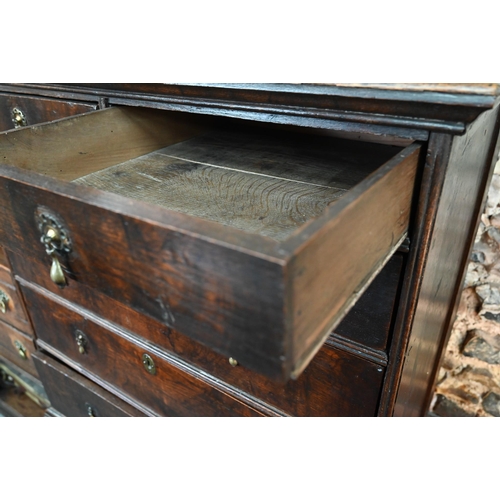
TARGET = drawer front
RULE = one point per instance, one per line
(75, 396)
(3, 258)
(269, 304)
(17, 348)
(11, 307)
(17, 111)
(118, 361)
(336, 383)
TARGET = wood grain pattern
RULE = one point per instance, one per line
(258, 204)
(71, 394)
(73, 147)
(38, 110)
(330, 386)
(8, 335)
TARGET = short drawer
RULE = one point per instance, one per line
(75, 396)
(336, 383)
(19, 111)
(118, 362)
(11, 307)
(17, 347)
(253, 243)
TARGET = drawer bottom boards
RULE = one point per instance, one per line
(336, 383)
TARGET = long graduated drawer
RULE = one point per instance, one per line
(253, 241)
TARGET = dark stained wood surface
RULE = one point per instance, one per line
(116, 359)
(329, 386)
(468, 168)
(38, 110)
(187, 272)
(14, 314)
(72, 394)
(9, 335)
(397, 112)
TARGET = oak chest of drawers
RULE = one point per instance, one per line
(229, 250)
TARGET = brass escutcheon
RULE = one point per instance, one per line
(21, 350)
(4, 300)
(149, 364)
(18, 118)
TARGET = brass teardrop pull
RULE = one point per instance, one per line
(57, 273)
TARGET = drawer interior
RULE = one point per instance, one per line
(262, 180)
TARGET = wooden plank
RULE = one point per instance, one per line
(320, 292)
(259, 184)
(253, 203)
(72, 147)
(318, 160)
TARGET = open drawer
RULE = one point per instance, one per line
(254, 241)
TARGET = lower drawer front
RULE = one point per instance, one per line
(11, 308)
(335, 384)
(17, 348)
(18, 111)
(119, 361)
(75, 396)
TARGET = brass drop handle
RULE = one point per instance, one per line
(4, 300)
(57, 244)
(51, 239)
